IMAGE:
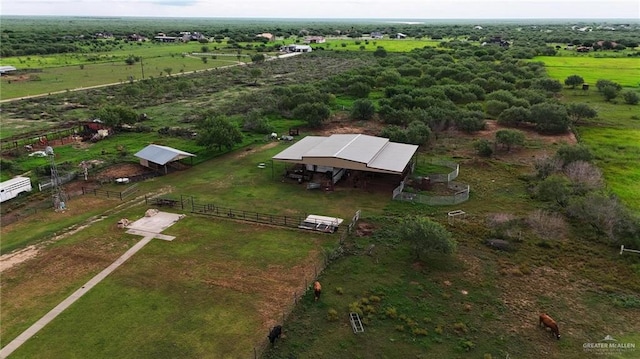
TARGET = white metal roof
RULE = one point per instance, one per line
(4, 69)
(376, 153)
(162, 154)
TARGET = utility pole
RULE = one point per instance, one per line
(142, 66)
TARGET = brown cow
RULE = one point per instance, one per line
(547, 322)
(317, 290)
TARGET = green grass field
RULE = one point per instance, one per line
(200, 294)
(614, 139)
(625, 71)
(391, 45)
(54, 79)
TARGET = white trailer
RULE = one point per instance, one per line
(12, 188)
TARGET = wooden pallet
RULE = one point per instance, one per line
(356, 323)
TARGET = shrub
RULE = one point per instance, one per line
(547, 225)
(419, 332)
(356, 308)
(467, 345)
(374, 299)
(391, 312)
(630, 97)
(460, 328)
(339, 290)
(332, 315)
(363, 109)
(483, 148)
(400, 328)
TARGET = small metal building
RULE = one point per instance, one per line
(157, 157)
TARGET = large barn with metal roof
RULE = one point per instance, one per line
(159, 157)
(354, 152)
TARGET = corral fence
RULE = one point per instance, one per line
(38, 138)
(111, 194)
(460, 195)
(188, 203)
(460, 190)
(308, 277)
(61, 180)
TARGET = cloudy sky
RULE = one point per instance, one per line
(387, 9)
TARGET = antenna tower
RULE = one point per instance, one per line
(58, 195)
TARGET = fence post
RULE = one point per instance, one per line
(255, 353)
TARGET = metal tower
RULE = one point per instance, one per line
(58, 195)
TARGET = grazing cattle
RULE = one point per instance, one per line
(317, 290)
(547, 322)
(274, 334)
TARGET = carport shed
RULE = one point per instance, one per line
(157, 157)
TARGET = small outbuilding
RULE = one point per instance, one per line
(159, 157)
(6, 69)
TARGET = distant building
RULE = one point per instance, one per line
(267, 35)
(296, 48)
(400, 36)
(6, 69)
(376, 35)
(314, 40)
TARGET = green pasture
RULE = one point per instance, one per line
(614, 139)
(167, 301)
(617, 152)
(146, 50)
(391, 45)
(55, 79)
(625, 71)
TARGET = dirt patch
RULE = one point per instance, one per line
(364, 229)
(123, 170)
(251, 150)
(536, 145)
(342, 124)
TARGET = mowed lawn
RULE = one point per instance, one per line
(625, 71)
(211, 293)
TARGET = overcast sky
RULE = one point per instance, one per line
(386, 9)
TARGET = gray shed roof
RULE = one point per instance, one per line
(162, 154)
(377, 154)
(4, 69)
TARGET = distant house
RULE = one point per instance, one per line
(496, 40)
(583, 49)
(477, 27)
(136, 37)
(376, 35)
(400, 36)
(166, 38)
(296, 48)
(314, 40)
(267, 35)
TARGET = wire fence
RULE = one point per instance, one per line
(309, 278)
(121, 195)
(460, 190)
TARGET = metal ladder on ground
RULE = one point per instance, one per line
(356, 323)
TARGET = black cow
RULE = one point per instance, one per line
(274, 334)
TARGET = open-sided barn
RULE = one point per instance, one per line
(157, 157)
(354, 152)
